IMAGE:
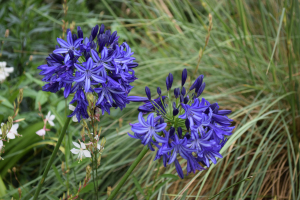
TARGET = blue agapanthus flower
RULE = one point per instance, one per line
(97, 64)
(187, 128)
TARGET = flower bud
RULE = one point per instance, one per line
(183, 91)
(179, 131)
(172, 131)
(183, 77)
(181, 99)
(79, 32)
(186, 100)
(169, 81)
(148, 92)
(199, 83)
(200, 89)
(176, 92)
(175, 112)
(158, 91)
(188, 136)
(187, 124)
(74, 37)
(94, 32)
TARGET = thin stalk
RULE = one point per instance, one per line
(96, 164)
(127, 174)
(60, 139)
(94, 177)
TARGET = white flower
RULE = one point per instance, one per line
(81, 151)
(74, 118)
(50, 118)
(41, 132)
(99, 147)
(13, 132)
(4, 71)
(96, 137)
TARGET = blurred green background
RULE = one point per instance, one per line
(250, 64)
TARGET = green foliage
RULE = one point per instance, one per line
(247, 39)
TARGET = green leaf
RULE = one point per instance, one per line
(35, 80)
(27, 92)
(138, 186)
(184, 195)
(41, 97)
(89, 187)
(169, 176)
(5, 102)
(160, 185)
(57, 175)
(2, 188)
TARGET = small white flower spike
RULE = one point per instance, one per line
(50, 118)
(41, 132)
(81, 151)
(13, 132)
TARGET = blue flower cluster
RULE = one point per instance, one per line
(191, 128)
(96, 64)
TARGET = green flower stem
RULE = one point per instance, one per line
(127, 174)
(60, 139)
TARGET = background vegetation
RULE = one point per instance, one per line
(251, 66)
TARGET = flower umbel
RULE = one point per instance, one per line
(201, 127)
(97, 64)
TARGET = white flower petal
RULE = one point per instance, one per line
(48, 115)
(52, 117)
(74, 118)
(82, 145)
(76, 145)
(1, 144)
(87, 153)
(71, 107)
(9, 69)
(75, 151)
(2, 77)
(51, 123)
(14, 128)
(3, 64)
(41, 132)
(11, 135)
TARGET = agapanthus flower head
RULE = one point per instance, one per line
(96, 64)
(186, 128)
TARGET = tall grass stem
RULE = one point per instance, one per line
(60, 139)
(127, 174)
